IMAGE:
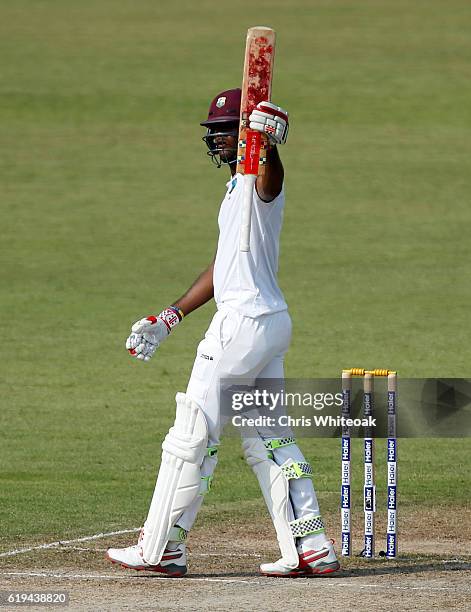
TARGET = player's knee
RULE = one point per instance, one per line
(284, 452)
(188, 438)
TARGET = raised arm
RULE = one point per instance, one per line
(270, 183)
(272, 120)
(148, 333)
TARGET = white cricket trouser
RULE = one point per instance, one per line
(240, 347)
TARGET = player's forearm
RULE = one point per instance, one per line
(199, 293)
(269, 184)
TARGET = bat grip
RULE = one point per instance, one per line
(249, 184)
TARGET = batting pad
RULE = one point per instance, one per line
(179, 479)
(275, 488)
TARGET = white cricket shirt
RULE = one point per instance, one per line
(247, 282)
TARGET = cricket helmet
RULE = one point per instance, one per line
(225, 108)
(223, 121)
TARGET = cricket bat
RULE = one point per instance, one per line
(256, 87)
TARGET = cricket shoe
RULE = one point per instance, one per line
(173, 562)
(311, 562)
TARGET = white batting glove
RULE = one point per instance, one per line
(148, 334)
(271, 120)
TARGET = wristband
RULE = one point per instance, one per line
(170, 317)
(177, 311)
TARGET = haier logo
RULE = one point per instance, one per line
(391, 449)
(346, 403)
(391, 402)
(391, 523)
(391, 498)
(345, 543)
(391, 473)
(369, 499)
(345, 497)
(346, 521)
(391, 547)
(368, 451)
(368, 546)
(369, 523)
(345, 449)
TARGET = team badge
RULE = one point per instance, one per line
(221, 101)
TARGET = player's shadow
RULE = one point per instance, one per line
(400, 567)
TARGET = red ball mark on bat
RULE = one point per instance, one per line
(152, 319)
(259, 74)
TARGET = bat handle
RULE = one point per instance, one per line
(249, 184)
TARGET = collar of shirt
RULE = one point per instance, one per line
(231, 184)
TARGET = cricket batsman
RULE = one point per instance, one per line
(246, 339)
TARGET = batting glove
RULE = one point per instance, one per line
(148, 334)
(271, 120)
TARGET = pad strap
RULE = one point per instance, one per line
(274, 443)
(297, 469)
(307, 525)
(177, 534)
(205, 486)
(206, 481)
(278, 442)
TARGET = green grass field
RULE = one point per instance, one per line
(108, 212)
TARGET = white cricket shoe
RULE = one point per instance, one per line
(323, 561)
(173, 562)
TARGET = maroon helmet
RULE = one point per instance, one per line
(225, 108)
(222, 122)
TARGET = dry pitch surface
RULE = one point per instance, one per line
(430, 574)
